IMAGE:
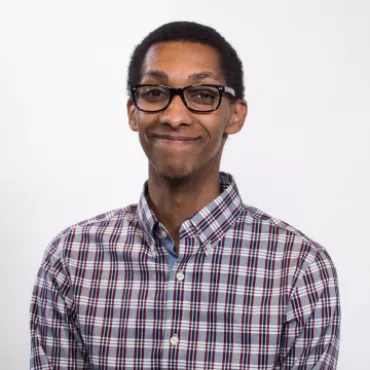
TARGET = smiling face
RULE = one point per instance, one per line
(177, 141)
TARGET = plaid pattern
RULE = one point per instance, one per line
(247, 292)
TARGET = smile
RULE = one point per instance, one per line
(175, 140)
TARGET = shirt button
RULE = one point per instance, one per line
(163, 234)
(152, 250)
(174, 340)
(180, 276)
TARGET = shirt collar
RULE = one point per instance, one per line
(209, 224)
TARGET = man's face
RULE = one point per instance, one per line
(179, 142)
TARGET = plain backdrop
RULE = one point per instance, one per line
(67, 153)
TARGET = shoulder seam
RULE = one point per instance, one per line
(256, 214)
(103, 217)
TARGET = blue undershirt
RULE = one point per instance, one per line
(172, 255)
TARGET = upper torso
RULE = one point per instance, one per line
(223, 304)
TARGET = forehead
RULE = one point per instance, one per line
(181, 59)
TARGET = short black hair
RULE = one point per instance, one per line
(231, 65)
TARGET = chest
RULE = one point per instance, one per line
(225, 310)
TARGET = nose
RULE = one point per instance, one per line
(176, 114)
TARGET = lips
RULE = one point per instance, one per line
(175, 138)
(175, 143)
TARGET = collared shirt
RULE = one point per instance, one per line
(247, 291)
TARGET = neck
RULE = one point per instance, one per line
(174, 201)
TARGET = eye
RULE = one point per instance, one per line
(203, 95)
(152, 93)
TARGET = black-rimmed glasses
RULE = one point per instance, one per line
(197, 98)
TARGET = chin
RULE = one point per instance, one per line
(175, 173)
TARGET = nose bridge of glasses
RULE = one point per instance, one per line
(176, 112)
(177, 92)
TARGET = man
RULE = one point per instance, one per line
(190, 277)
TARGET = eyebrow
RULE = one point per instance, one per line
(202, 75)
(156, 74)
(194, 76)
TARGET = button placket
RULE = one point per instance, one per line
(181, 300)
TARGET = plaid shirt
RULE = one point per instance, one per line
(247, 292)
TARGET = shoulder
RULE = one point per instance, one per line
(269, 224)
(112, 221)
(283, 242)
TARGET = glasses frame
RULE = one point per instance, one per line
(180, 91)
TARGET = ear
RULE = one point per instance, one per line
(239, 111)
(131, 110)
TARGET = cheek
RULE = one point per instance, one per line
(143, 122)
(216, 125)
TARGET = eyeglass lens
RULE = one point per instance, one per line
(199, 98)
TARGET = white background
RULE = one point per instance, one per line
(67, 153)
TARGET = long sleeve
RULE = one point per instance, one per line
(311, 333)
(55, 339)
